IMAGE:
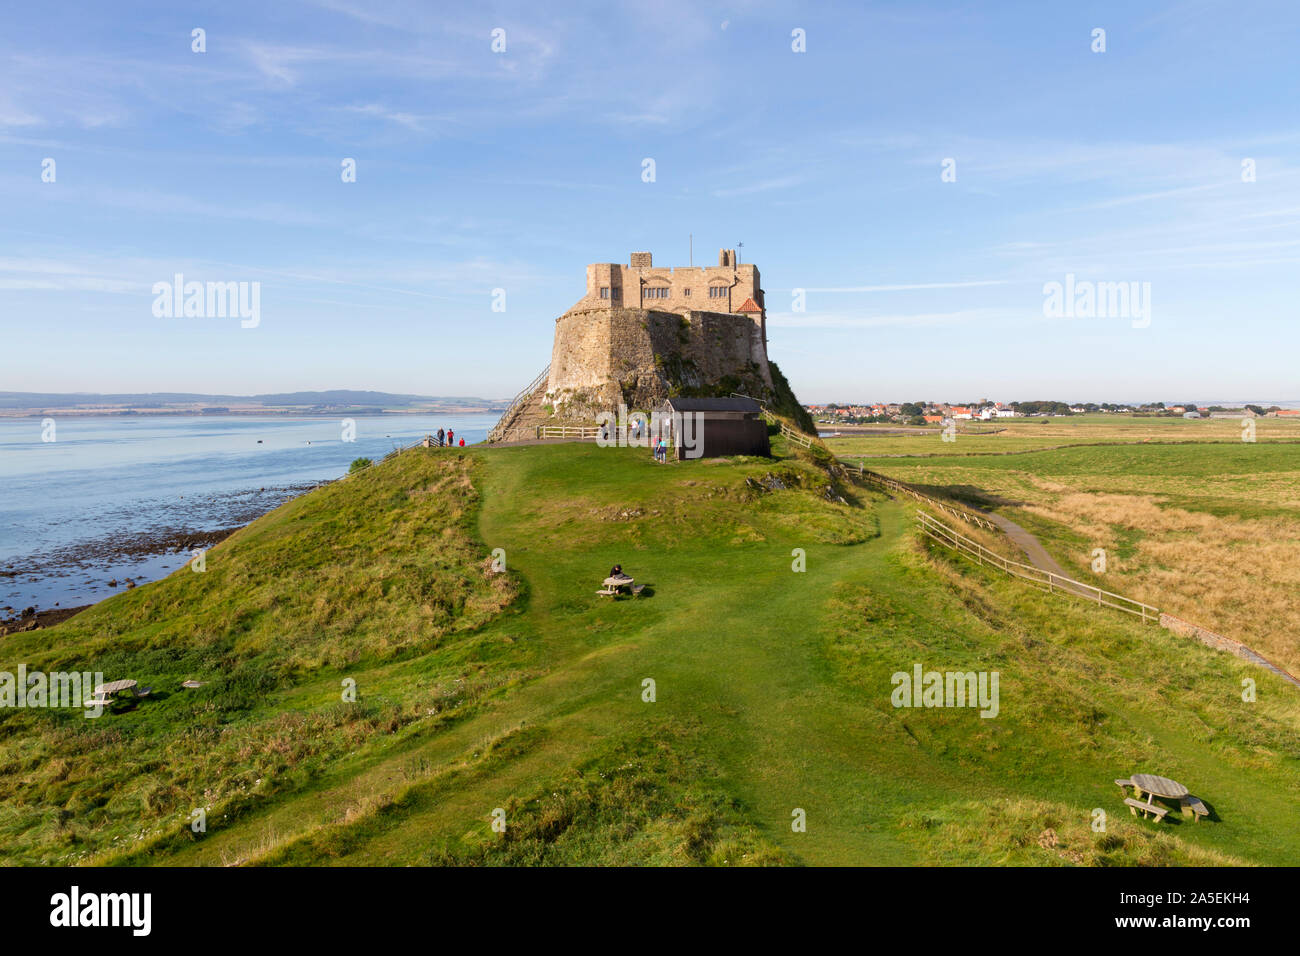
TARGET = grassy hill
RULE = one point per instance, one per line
(523, 692)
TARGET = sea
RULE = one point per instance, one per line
(88, 504)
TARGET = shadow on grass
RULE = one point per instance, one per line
(969, 495)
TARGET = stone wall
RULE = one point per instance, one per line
(685, 288)
(604, 357)
(1217, 641)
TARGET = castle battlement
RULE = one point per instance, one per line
(726, 287)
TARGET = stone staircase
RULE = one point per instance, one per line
(523, 415)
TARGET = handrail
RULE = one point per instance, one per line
(498, 430)
(950, 538)
(786, 431)
(967, 516)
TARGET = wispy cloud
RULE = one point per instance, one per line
(766, 185)
(855, 320)
(911, 286)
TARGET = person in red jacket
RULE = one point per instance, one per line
(462, 443)
(450, 435)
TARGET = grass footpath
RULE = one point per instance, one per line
(524, 692)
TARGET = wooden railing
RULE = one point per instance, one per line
(790, 434)
(567, 431)
(951, 538)
(499, 429)
(885, 481)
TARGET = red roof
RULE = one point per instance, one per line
(749, 306)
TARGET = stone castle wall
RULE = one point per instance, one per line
(681, 289)
(604, 357)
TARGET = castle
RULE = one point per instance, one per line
(642, 333)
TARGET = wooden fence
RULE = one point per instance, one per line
(790, 434)
(951, 538)
(567, 431)
(885, 481)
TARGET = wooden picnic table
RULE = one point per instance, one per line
(620, 582)
(114, 687)
(1156, 786)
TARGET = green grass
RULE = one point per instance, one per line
(1206, 530)
(523, 692)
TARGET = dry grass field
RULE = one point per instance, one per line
(1191, 518)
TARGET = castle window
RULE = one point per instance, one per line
(656, 292)
(604, 292)
(718, 291)
(686, 292)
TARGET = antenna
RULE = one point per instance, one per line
(692, 258)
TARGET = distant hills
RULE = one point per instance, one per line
(191, 401)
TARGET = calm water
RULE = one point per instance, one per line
(117, 497)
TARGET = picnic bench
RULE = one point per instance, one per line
(614, 586)
(114, 687)
(1137, 806)
(118, 694)
(1156, 786)
(1193, 807)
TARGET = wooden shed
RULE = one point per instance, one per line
(712, 427)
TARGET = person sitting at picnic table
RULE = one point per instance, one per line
(617, 571)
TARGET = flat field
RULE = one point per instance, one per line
(1192, 519)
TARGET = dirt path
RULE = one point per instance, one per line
(1036, 553)
(1027, 543)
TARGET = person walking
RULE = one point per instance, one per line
(451, 436)
(440, 437)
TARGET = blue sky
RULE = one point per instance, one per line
(479, 170)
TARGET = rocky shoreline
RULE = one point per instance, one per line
(33, 620)
(104, 565)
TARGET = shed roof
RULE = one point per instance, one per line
(714, 405)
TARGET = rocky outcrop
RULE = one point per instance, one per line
(603, 358)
